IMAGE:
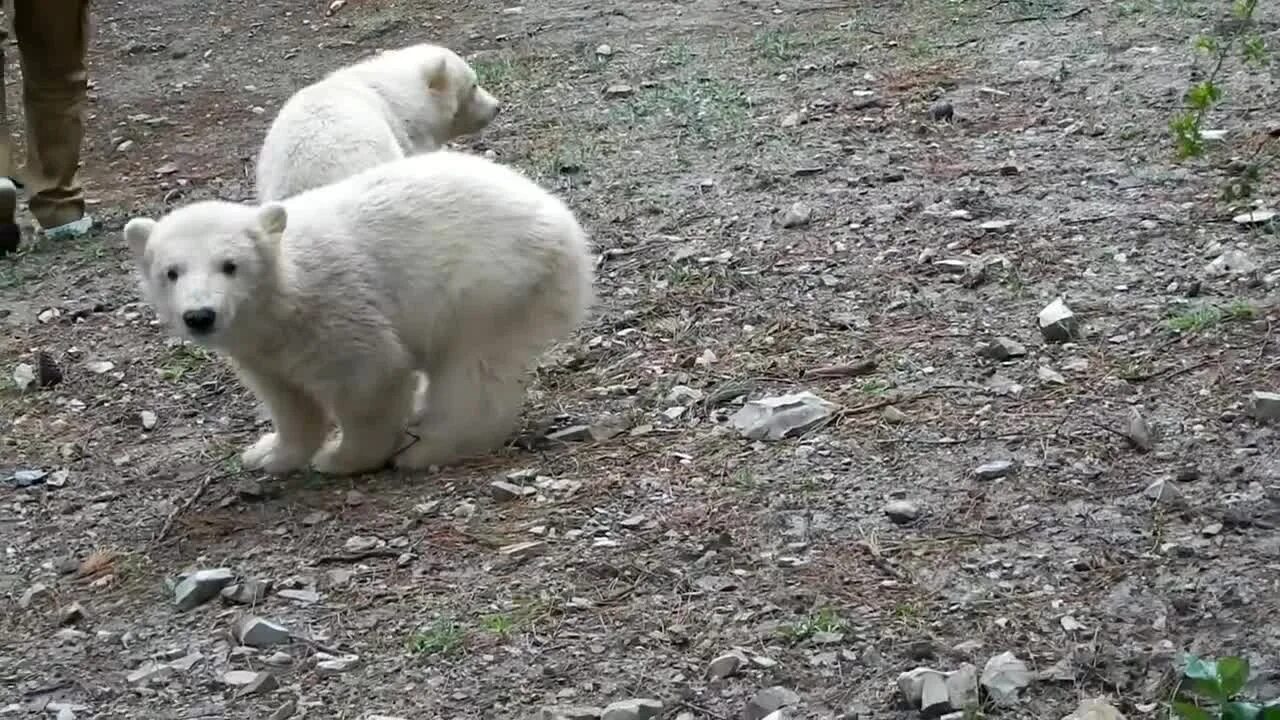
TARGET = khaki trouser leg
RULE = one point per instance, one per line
(53, 42)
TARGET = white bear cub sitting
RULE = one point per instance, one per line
(329, 302)
(397, 103)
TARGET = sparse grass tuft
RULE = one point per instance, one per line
(1202, 317)
(184, 360)
(825, 620)
(442, 637)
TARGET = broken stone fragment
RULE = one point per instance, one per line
(1003, 677)
(1057, 323)
(1264, 405)
(256, 632)
(635, 709)
(781, 416)
(201, 586)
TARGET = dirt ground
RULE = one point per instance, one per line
(675, 540)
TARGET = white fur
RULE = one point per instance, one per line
(447, 263)
(397, 103)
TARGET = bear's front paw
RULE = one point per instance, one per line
(338, 459)
(422, 452)
(269, 455)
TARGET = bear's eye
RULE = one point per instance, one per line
(172, 274)
(229, 267)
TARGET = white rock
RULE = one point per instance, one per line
(1049, 375)
(1057, 323)
(259, 633)
(1255, 217)
(100, 367)
(201, 586)
(24, 376)
(798, 215)
(148, 419)
(901, 511)
(331, 665)
(635, 709)
(683, 395)
(1264, 405)
(1231, 262)
(1004, 676)
(726, 665)
(994, 470)
(778, 417)
(361, 543)
(1162, 491)
(1095, 709)
(604, 50)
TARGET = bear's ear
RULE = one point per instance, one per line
(272, 218)
(137, 232)
(438, 75)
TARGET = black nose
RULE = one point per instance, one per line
(200, 320)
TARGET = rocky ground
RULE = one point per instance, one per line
(869, 203)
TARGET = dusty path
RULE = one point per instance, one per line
(674, 541)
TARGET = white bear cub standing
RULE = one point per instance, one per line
(397, 103)
(329, 302)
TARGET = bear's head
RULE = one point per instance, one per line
(209, 268)
(462, 105)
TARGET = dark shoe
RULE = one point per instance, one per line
(10, 235)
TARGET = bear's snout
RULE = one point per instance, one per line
(201, 320)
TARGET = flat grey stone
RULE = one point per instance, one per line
(201, 586)
(256, 632)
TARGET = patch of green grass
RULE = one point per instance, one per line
(568, 158)
(708, 108)
(777, 46)
(824, 620)
(875, 387)
(499, 624)
(442, 637)
(183, 361)
(677, 55)
(1202, 317)
(502, 76)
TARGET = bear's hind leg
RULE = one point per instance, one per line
(472, 406)
(299, 423)
(370, 424)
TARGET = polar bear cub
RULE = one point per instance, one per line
(399, 102)
(329, 302)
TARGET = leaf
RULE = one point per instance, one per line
(1240, 711)
(1200, 669)
(1233, 673)
(1203, 95)
(1270, 712)
(1207, 44)
(1190, 711)
(1255, 50)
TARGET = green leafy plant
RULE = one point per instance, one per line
(1213, 687)
(1237, 38)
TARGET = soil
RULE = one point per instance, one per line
(676, 540)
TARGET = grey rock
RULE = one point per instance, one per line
(256, 632)
(201, 586)
(798, 215)
(1255, 217)
(65, 713)
(1138, 431)
(1163, 491)
(777, 417)
(1264, 405)
(260, 684)
(769, 700)
(24, 376)
(528, 548)
(1049, 375)
(1231, 262)
(71, 614)
(934, 700)
(1003, 677)
(683, 395)
(1057, 323)
(952, 266)
(941, 111)
(306, 597)
(619, 90)
(894, 416)
(149, 672)
(37, 591)
(911, 684)
(327, 664)
(634, 709)
(573, 433)
(1003, 348)
(901, 511)
(1095, 709)
(188, 661)
(279, 658)
(239, 677)
(962, 687)
(285, 711)
(726, 665)
(994, 470)
(247, 592)
(502, 490)
(361, 543)
(571, 712)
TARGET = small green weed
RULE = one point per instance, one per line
(184, 360)
(1202, 317)
(1217, 684)
(776, 45)
(499, 624)
(442, 637)
(825, 620)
